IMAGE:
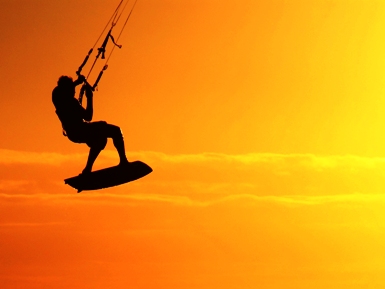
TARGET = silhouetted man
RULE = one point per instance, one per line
(76, 121)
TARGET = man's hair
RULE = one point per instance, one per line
(65, 81)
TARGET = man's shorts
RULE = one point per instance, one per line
(94, 134)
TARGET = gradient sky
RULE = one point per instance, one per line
(263, 122)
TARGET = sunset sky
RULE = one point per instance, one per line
(264, 123)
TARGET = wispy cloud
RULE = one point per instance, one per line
(22, 157)
(14, 185)
(207, 176)
(250, 200)
(277, 161)
(299, 200)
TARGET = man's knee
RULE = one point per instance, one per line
(116, 131)
(98, 144)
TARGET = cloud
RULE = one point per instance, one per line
(143, 200)
(45, 158)
(97, 198)
(305, 200)
(203, 177)
(246, 161)
(269, 174)
(14, 185)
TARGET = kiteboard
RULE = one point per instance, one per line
(109, 177)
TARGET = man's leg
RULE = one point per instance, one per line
(96, 142)
(99, 132)
(93, 154)
(118, 141)
(115, 133)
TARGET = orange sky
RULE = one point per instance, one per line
(263, 122)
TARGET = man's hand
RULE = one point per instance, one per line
(80, 80)
(88, 89)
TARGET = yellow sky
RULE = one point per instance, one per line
(263, 122)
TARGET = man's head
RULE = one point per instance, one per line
(66, 84)
(65, 81)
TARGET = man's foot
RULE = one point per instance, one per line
(124, 162)
(85, 172)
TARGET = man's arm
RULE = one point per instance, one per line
(89, 109)
(80, 80)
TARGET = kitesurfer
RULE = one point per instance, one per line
(76, 121)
